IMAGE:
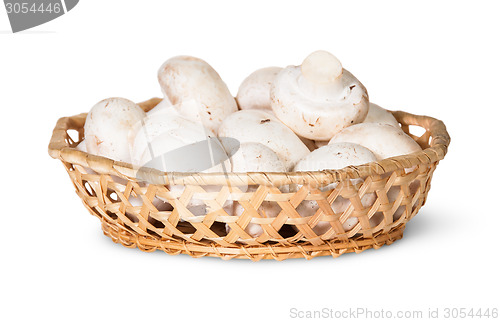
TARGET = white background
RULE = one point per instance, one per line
(426, 57)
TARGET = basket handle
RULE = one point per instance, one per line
(436, 127)
(59, 134)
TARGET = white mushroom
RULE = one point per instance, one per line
(377, 114)
(256, 157)
(319, 98)
(335, 156)
(108, 128)
(262, 127)
(164, 130)
(169, 142)
(255, 91)
(186, 78)
(383, 140)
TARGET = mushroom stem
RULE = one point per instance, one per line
(321, 74)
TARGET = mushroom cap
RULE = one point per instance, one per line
(313, 117)
(185, 78)
(167, 141)
(256, 157)
(262, 127)
(255, 90)
(165, 119)
(108, 128)
(377, 114)
(335, 156)
(383, 140)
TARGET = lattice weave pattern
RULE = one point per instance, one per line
(152, 215)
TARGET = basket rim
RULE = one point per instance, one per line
(59, 149)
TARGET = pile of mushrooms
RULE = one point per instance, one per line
(310, 117)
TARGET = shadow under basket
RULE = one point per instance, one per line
(150, 209)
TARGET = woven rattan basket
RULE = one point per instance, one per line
(108, 188)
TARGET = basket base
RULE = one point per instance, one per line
(254, 253)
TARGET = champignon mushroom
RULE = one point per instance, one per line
(262, 127)
(255, 91)
(377, 114)
(319, 98)
(108, 128)
(169, 142)
(175, 130)
(335, 156)
(256, 157)
(186, 78)
(383, 140)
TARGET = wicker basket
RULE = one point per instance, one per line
(108, 187)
